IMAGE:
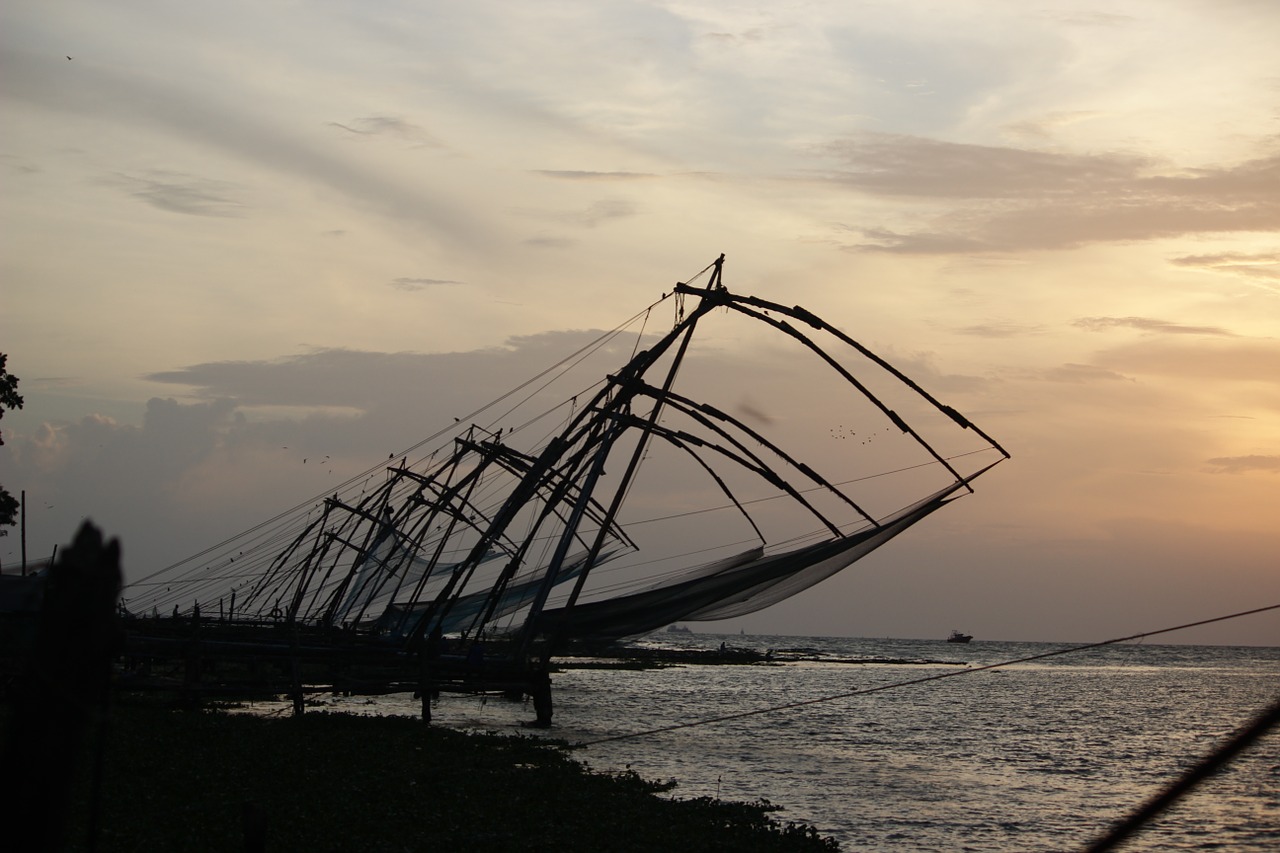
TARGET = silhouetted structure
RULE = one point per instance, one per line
(495, 544)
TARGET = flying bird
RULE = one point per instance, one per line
(68, 58)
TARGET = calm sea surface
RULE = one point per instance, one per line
(1041, 756)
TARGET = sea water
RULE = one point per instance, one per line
(1037, 756)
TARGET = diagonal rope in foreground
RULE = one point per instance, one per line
(1205, 768)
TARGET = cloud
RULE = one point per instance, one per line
(362, 405)
(551, 242)
(753, 34)
(189, 475)
(1244, 464)
(923, 368)
(1148, 324)
(576, 175)
(1000, 329)
(1078, 374)
(416, 284)
(325, 377)
(389, 126)
(20, 164)
(125, 95)
(361, 379)
(594, 214)
(1189, 358)
(177, 192)
(1045, 127)
(884, 239)
(112, 469)
(1263, 267)
(1090, 19)
(986, 198)
(912, 166)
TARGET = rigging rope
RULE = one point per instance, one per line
(752, 501)
(640, 335)
(346, 484)
(883, 687)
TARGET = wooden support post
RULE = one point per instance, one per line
(295, 669)
(540, 689)
(429, 655)
(425, 684)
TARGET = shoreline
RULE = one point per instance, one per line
(211, 780)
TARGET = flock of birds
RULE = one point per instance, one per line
(842, 432)
(326, 458)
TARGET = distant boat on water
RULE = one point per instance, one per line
(958, 637)
(679, 629)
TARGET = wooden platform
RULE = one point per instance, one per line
(209, 659)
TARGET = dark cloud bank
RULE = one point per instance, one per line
(1003, 199)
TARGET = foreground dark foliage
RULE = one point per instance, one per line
(62, 681)
(197, 781)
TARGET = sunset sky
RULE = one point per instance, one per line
(236, 234)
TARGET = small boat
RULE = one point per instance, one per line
(957, 637)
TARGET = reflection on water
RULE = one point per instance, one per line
(1037, 756)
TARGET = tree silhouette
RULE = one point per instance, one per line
(9, 399)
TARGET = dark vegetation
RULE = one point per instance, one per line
(322, 782)
(9, 399)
